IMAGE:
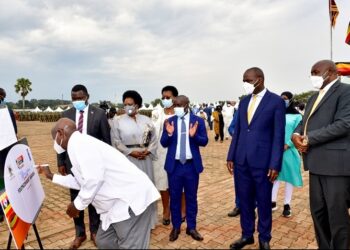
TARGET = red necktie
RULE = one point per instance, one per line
(81, 122)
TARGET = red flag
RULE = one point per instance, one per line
(347, 40)
(333, 12)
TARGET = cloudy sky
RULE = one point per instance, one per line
(200, 46)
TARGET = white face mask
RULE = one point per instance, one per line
(249, 88)
(58, 148)
(317, 81)
(179, 111)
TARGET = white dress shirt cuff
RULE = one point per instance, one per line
(79, 204)
(67, 181)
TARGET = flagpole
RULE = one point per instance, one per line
(331, 31)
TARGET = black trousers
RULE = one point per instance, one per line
(329, 198)
(221, 133)
(94, 218)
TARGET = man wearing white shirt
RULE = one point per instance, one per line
(120, 192)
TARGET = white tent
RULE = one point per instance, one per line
(159, 107)
(150, 107)
(58, 109)
(143, 107)
(36, 110)
(48, 109)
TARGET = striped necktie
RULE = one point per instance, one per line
(183, 141)
(251, 108)
(81, 121)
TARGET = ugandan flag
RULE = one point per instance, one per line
(347, 40)
(343, 68)
(333, 12)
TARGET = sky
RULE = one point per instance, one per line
(202, 47)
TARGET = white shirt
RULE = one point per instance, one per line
(107, 179)
(329, 85)
(77, 115)
(188, 149)
(259, 97)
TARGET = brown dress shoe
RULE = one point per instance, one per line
(93, 238)
(194, 234)
(174, 234)
(77, 242)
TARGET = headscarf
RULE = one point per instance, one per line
(291, 107)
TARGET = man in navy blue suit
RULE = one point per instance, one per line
(256, 152)
(183, 134)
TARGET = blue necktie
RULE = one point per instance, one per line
(183, 141)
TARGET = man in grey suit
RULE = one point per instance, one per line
(323, 137)
(92, 121)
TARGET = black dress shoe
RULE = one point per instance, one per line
(242, 242)
(166, 222)
(194, 234)
(174, 234)
(235, 212)
(264, 245)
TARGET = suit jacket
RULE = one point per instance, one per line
(261, 142)
(170, 142)
(328, 131)
(97, 126)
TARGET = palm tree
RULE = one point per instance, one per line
(23, 87)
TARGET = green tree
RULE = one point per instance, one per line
(23, 87)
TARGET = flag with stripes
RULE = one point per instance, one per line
(333, 12)
(343, 68)
(347, 40)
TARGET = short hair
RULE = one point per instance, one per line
(287, 94)
(258, 72)
(2, 91)
(80, 87)
(133, 95)
(172, 89)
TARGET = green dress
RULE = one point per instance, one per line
(291, 165)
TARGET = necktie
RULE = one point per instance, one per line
(251, 108)
(81, 122)
(319, 98)
(183, 141)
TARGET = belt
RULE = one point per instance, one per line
(137, 146)
(188, 160)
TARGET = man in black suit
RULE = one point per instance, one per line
(323, 137)
(92, 121)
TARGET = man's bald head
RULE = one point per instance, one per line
(63, 130)
(326, 69)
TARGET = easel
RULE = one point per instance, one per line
(36, 235)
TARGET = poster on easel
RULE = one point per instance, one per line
(24, 191)
(18, 228)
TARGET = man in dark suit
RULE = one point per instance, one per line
(323, 137)
(183, 134)
(256, 152)
(92, 121)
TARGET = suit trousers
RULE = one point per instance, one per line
(184, 177)
(94, 218)
(254, 189)
(329, 197)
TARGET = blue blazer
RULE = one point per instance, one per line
(170, 142)
(261, 143)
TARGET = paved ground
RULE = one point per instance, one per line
(215, 199)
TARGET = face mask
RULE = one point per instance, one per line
(179, 111)
(249, 88)
(167, 103)
(79, 105)
(58, 148)
(287, 103)
(317, 81)
(2, 102)
(129, 109)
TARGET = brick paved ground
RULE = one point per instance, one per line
(215, 198)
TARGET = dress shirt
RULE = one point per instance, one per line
(188, 149)
(329, 85)
(77, 115)
(259, 97)
(107, 179)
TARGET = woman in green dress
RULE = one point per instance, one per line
(290, 172)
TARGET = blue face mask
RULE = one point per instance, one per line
(79, 105)
(2, 101)
(287, 103)
(167, 103)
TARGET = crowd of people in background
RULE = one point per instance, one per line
(271, 136)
